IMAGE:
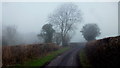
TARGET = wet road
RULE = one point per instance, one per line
(68, 58)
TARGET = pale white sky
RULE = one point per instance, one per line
(30, 17)
(59, 0)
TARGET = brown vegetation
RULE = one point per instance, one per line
(20, 53)
(104, 52)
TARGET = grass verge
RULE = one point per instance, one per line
(83, 59)
(45, 59)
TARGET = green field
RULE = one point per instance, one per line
(83, 59)
(45, 59)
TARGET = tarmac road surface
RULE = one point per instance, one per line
(68, 58)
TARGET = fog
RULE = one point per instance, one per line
(119, 18)
(0, 23)
(30, 17)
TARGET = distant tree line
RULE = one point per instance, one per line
(61, 23)
(9, 35)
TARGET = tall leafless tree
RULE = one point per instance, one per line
(57, 38)
(64, 18)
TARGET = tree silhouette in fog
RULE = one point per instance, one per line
(90, 31)
(47, 33)
(10, 35)
(64, 18)
(57, 38)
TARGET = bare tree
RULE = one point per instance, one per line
(9, 35)
(47, 33)
(67, 39)
(64, 18)
(90, 31)
(57, 38)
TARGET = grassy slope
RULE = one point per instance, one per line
(83, 59)
(45, 59)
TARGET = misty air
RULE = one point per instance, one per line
(46, 34)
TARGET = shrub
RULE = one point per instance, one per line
(104, 52)
(20, 53)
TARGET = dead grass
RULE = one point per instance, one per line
(12, 55)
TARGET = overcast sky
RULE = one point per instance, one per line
(30, 17)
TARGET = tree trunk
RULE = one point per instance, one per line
(63, 40)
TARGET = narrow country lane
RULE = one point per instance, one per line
(69, 58)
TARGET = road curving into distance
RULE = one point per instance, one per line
(68, 58)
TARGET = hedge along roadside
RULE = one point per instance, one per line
(45, 59)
